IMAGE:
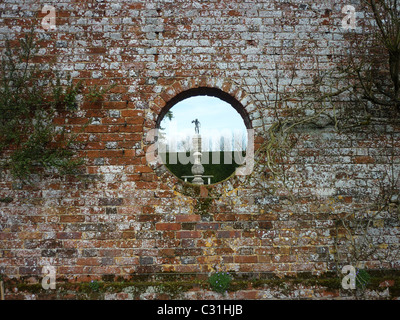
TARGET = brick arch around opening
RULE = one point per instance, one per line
(224, 89)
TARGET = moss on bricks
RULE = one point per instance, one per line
(174, 285)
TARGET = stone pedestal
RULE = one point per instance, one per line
(197, 168)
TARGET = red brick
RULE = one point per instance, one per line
(88, 262)
(129, 235)
(69, 235)
(228, 234)
(248, 294)
(143, 169)
(245, 259)
(225, 217)
(72, 218)
(364, 159)
(188, 218)
(203, 192)
(146, 185)
(30, 235)
(131, 113)
(245, 228)
(188, 234)
(134, 120)
(168, 226)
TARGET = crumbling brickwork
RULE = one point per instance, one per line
(124, 216)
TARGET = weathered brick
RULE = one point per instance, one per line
(110, 201)
(73, 218)
(122, 216)
(146, 260)
(188, 218)
(69, 235)
(364, 159)
(228, 234)
(168, 226)
(188, 234)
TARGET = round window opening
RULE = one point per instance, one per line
(202, 139)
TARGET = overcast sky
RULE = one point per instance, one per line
(217, 118)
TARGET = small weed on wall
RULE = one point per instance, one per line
(220, 281)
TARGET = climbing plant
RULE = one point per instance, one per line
(32, 95)
(358, 93)
(360, 88)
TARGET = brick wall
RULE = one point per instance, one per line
(125, 217)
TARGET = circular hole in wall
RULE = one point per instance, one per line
(202, 137)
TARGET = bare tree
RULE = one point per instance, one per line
(373, 62)
(359, 92)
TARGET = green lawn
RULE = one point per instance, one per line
(220, 171)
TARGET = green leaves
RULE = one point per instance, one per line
(94, 285)
(30, 99)
(220, 281)
(96, 94)
(362, 278)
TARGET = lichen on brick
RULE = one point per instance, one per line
(315, 196)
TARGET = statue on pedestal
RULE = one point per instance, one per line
(197, 169)
(196, 126)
